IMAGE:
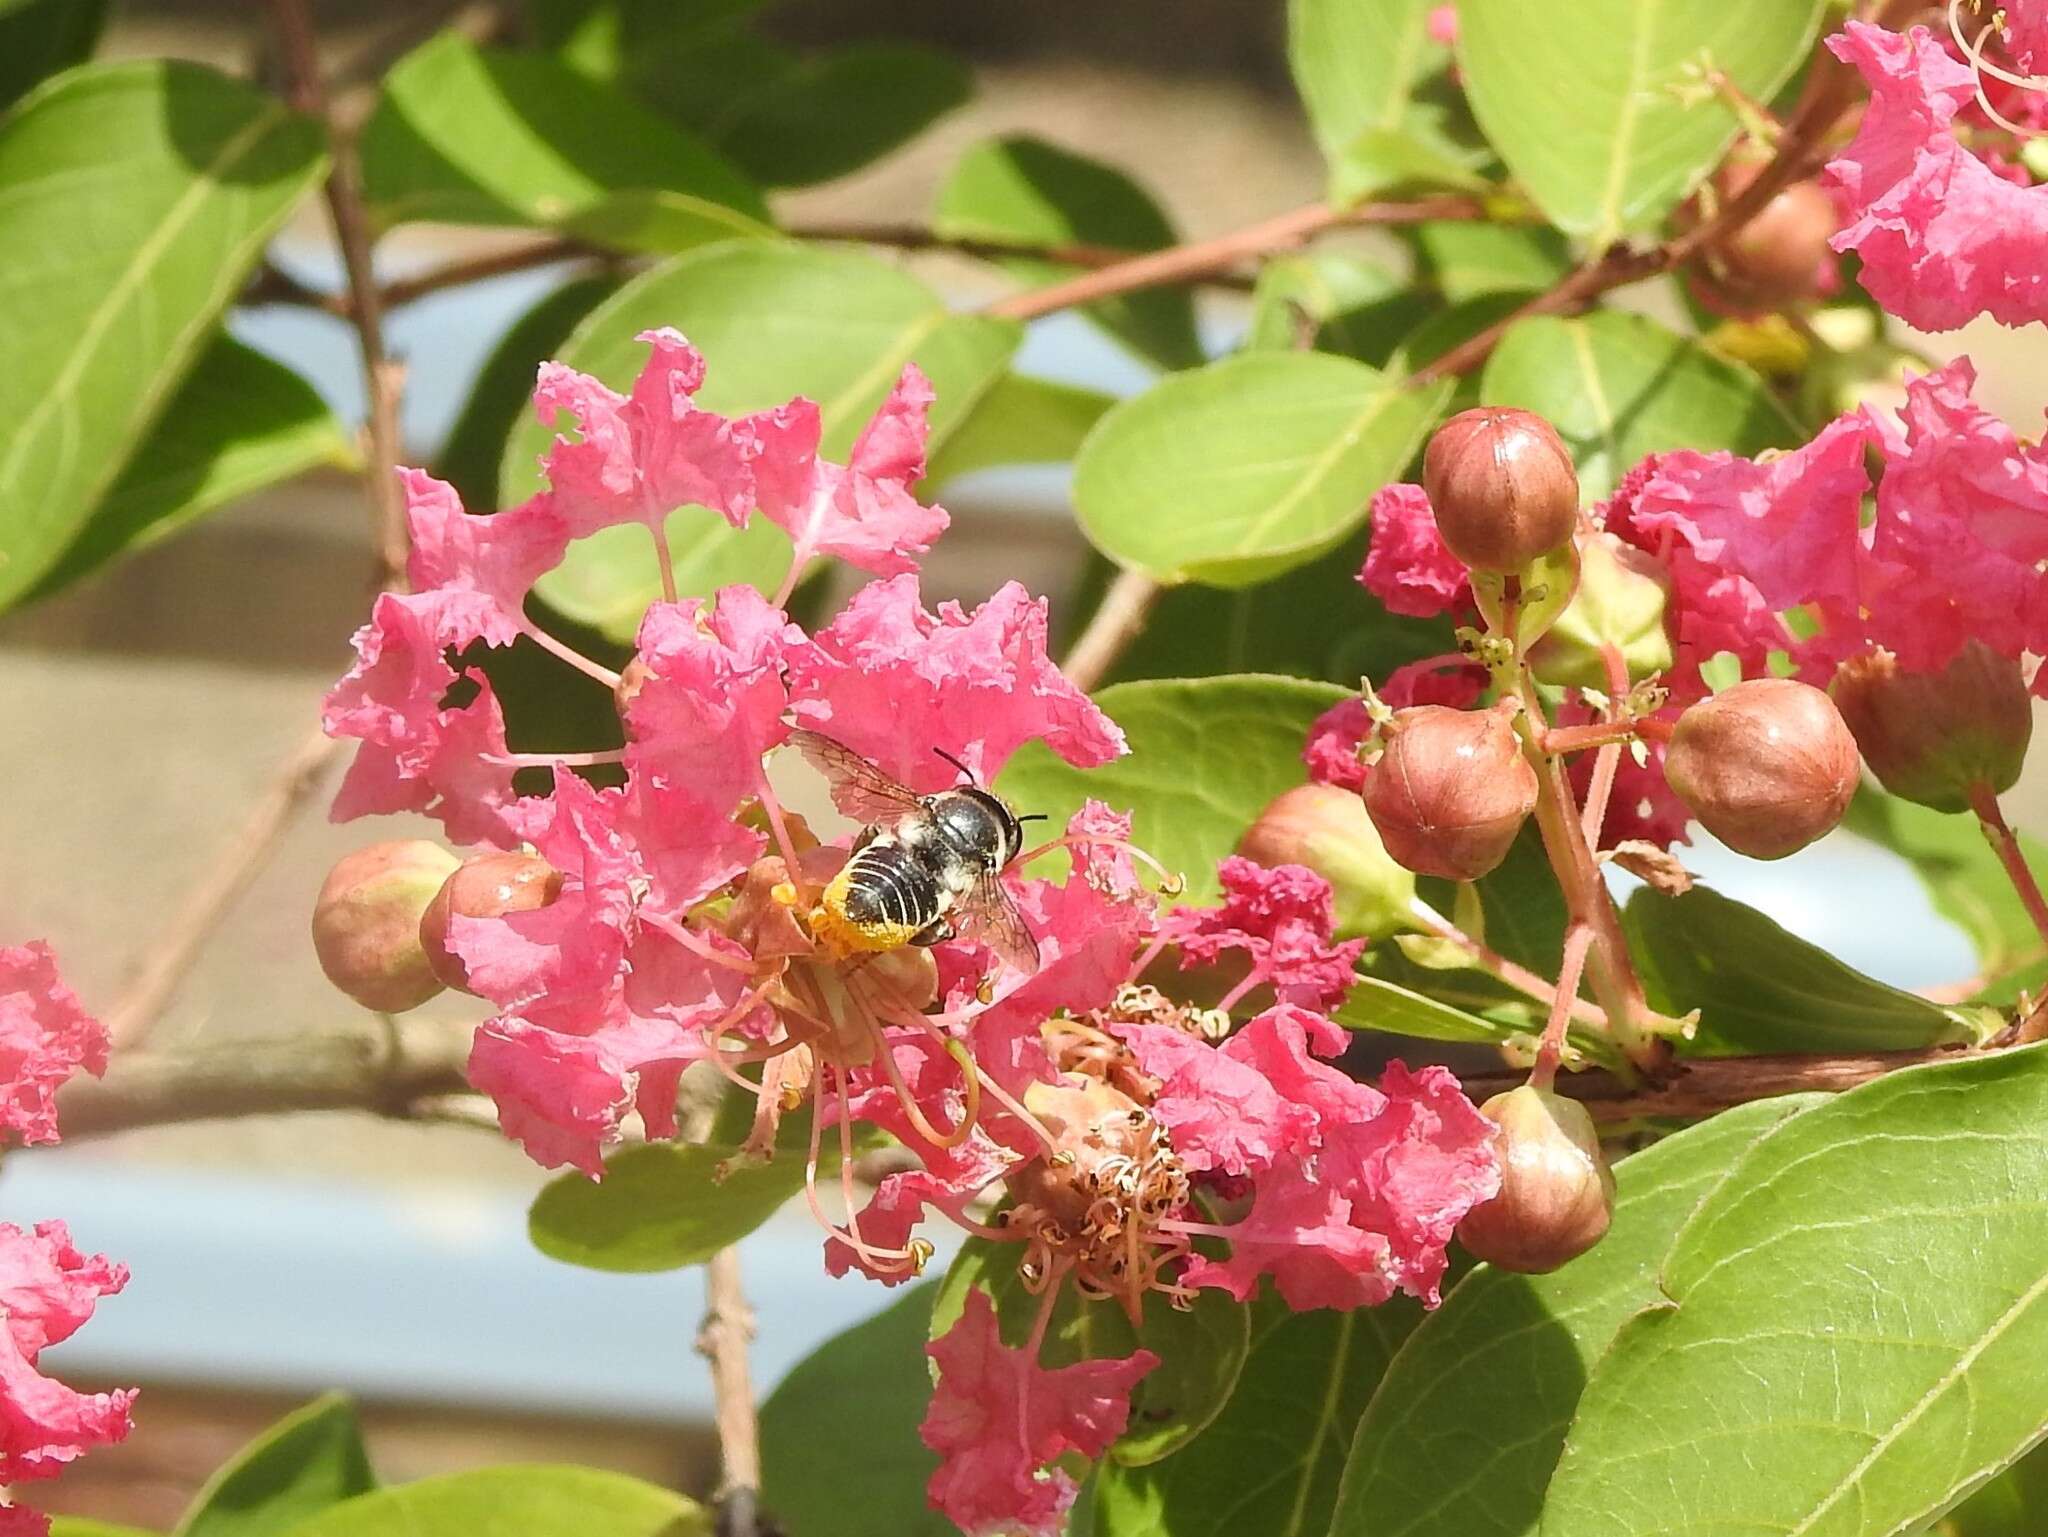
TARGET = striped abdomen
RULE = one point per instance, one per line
(881, 898)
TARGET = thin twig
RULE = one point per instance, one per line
(170, 957)
(1116, 622)
(403, 1067)
(722, 1339)
(1999, 834)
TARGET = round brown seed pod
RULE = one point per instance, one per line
(1502, 486)
(1931, 737)
(1450, 790)
(1556, 1191)
(1767, 765)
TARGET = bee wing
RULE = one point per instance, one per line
(988, 915)
(859, 789)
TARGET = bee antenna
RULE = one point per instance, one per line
(1036, 816)
(966, 773)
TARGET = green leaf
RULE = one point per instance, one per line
(1234, 473)
(1470, 1415)
(834, 114)
(238, 423)
(1382, 159)
(503, 390)
(1963, 877)
(839, 1446)
(474, 136)
(1269, 1463)
(1587, 100)
(134, 198)
(1378, 1004)
(1855, 1326)
(1026, 191)
(307, 1462)
(1021, 420)
(81, 1526)
(1206, 756)
(1356, 62)
(1619, 386)
(1471, 258)
(40, 37)
(1201, 1349)
(2014, 1504)
(1313, 622)
(773, 321)
(662, 1205)
(533, 1500)
(1335, 302)
(1761, 989)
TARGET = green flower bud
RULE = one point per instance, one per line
(1930, 737)
(1620, 603)
(366, 923)
(1327, 829)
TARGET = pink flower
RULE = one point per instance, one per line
(1443, 24)
(1642, 806)
(999, 1420)
(714, 696)
(1281, 916)
(1224, 1115)
(1962, 526)
(862, 511)
(2026, 35)
(482, 567)
(45, 1037)
(416, 755)
(1408, 568)
(893, 681)
(641, 456)
(1942, 235)
(47, 1290)
(1335, 736)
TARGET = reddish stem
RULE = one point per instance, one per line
(2007, 847)
(1577, 941)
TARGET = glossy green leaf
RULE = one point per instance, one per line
(1599, 106)
(1025, 191)
(1021, 420)
(475, 136)
(1355, 63)
(1470, 258)
(1335, 302)
(520, 1500)
(1963, 877)
(1270, 1462)
(2014, 1504)
(774, 321)
(502, 392)
(1234, 473)
(308, 1462)
(839, 1446)
(134, 198)
(833, 114)
(1853, 1324)
(1761, 989)
(661, 1206)
(1206, 756)
(40, 37)
(1619, 386)
(1376, 1003)
(1201, 1349)
(1470, 1415)
(240, 422)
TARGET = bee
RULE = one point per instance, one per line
(924, 868)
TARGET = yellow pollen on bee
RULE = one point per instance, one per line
(840, 936)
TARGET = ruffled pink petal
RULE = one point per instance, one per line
(1334, 738)
(560, 1097)
(45, 1037)
(1282, 917)
(1222, 1113)
(483, 567)
(1408, 567)
(999, 1420)
(893, 681)
(47, 1290)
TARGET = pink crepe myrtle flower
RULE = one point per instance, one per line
(893, 681)
(1281, 917)
(639, 457)
(45, 1037)
(481, 568)
(47, 1290)
(1942, 234)
(1407, 566)
(1335, 737)
(999, 1421)
(863, 511)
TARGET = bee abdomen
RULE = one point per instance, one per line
(887, 885)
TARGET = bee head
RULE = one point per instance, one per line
(1009, 826)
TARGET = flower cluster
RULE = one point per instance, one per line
(47, 1287)
(682, 914)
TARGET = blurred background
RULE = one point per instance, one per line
(144, 708)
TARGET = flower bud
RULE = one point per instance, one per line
(1930, 737)
(1767, 765)
(1502, 486)
(1327, 829)
(1620, 603)
(1450, 790)
(1780, 256)
(1556, 1191)
(488, 886)
(366, 923)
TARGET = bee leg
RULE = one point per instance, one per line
(937, 932)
